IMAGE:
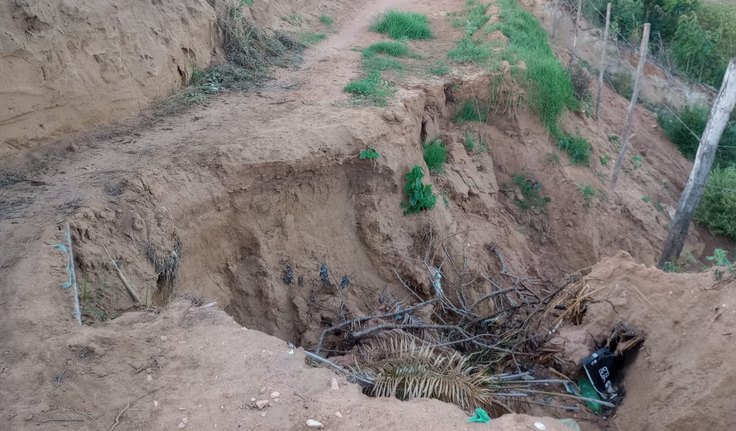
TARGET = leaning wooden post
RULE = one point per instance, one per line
(632, 105)
(556, 18)
(690, 198)
(603, 61)
(577, 30)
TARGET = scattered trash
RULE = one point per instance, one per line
(334, 385)
(288, 275)
(345, 282)
(311, 423)
(540, 426)
(324, 276)
(480, 416)
(600, 369)
(570, 423)
(587, 391)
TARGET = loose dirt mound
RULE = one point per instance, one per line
(683, 377)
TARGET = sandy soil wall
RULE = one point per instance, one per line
(67, 65)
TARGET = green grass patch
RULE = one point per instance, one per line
(403, 25)
(531, 192)
(548, 83)
(326, 20)
(470, 51)
(371, 88)
(695, 118)
(310, 38)
(576, 147)
(439, 68)
(381, 63)
(605, 159)
(470, 111)
(435, 156)
(589, 193)
(419, 196)
(392, 48)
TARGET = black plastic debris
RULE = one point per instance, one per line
(345, 282)
(324, 275)
(288, 275)
(601, 369)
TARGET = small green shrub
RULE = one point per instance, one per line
(530, 190)
(580, 81)
(659, 206)
(469, 142)
(646, 199)
(435, 156)
(310, 38)
(719, 257)
(326, 20)
(403, 25)
(589, 193)
(471, 111)
(621, 82)
(369, 154)
(439, 68)
(637, 161)
(371, 88)
(605, 159)
(717, 209)
(419, 196)
(576, 147)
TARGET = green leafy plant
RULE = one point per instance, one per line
(719, 257)
(646, 199)
(589, 193)
(369, 154)
(419, 196)
(637, 161)
(403, 25)
(435, 156)
(471, 111)
(326, 20)
(685, 132)
(605, 159)
(530, 191)
(576, 147)
(671, 266)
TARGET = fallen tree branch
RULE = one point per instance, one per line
(127, 285)
(362, 334)
(337, 368)
(117, 419)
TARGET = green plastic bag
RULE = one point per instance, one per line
(587, 390)
(480, 416)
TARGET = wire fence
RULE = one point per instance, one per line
(672, 82)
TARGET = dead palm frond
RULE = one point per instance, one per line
(405, 367)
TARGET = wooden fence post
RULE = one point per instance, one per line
(632, 105)
(603, 61)
(690, 198)
(577, 30)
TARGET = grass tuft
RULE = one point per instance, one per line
(371, 88)
(470, 51)
(576, 147)
(403, 25)
(439, 68)
(310, 38)
(435, 156)
(326, 20)
(470, 111)
(392, 48)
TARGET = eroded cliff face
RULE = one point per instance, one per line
(68, 65)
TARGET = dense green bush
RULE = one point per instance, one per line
(576, 147)
(695, 118)
(419, 196)
(717, 209)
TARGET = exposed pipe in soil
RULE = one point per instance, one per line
(72, 273)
